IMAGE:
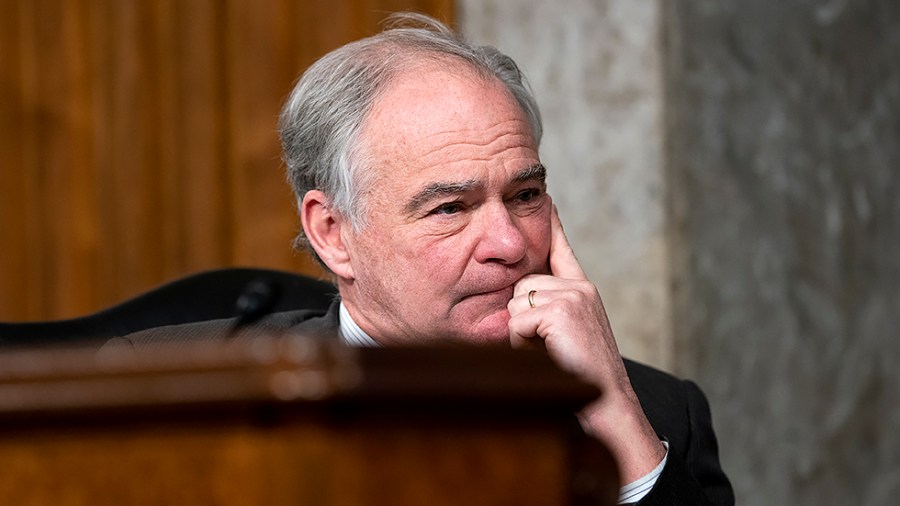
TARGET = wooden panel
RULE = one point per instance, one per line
(259, 45)
(295, 421)
(13, 174)
(139, 141)
(209, 463)
(62, 213)
(204, 230)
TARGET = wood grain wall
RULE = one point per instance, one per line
(138, 139)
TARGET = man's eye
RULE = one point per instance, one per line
(528, 195)
(448, 208)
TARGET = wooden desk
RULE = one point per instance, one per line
(294, 421)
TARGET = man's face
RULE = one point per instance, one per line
(457, 211)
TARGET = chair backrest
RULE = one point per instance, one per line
(198, 297)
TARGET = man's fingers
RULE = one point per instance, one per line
(523, 330)
(562, 259)
(525, 301)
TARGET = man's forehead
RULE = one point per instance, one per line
(443, 132)
(417, 101)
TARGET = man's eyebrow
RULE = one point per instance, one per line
(536, 172)
(438, 190)
(433, 191)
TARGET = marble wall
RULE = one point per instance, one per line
(729, 174)
(784, 169)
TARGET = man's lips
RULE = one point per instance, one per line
(496, 284)
(505, 291)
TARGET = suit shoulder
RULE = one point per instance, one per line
(217, 329)
(646, 376)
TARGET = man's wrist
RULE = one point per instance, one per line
(638, 489)
(627, 433)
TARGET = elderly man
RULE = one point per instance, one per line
(414, 159)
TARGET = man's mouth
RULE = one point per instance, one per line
(503, 292)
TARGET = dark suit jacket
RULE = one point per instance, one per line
(676, 409)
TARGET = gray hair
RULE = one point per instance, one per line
(321, 120)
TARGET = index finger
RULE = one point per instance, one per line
(563, 263)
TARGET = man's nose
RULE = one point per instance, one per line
(501, 238)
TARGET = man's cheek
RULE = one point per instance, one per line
(539, 244)
(441, 256)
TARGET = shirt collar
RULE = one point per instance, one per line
(351, 334)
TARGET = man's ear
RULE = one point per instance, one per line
(322, 227)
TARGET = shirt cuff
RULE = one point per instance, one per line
(636, 490)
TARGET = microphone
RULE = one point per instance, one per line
(257, 300)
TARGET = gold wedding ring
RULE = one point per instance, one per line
(531, 298)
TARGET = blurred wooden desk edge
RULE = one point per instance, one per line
(295, 420)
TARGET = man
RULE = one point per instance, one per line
(414, 159)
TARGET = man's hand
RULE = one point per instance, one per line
(568, 315)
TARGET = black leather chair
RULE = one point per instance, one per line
(203, 296)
